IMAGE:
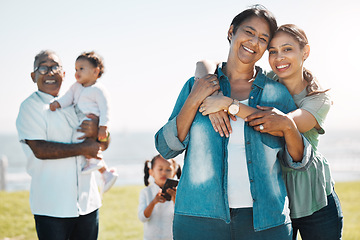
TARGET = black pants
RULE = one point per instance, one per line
(83, 227)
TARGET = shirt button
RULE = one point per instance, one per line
(248, 142)
(254, 200)
(251, 97)
(250, 162)
(251, 180)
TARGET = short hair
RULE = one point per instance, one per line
(42, 54)
(259, 11)
(95, 59)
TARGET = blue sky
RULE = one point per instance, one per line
(151, 47)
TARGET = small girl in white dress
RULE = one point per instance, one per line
(154, 211)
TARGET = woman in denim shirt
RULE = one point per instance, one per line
(202, 209)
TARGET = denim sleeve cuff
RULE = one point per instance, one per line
(171, 136)
(306, 160)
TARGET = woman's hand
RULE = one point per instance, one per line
(272, 121)
(269, 120)
(215, 103)
(221, 123)
(204, 87)
(215, 106)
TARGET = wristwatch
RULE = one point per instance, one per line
(234, 107)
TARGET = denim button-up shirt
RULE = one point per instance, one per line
(202, 189)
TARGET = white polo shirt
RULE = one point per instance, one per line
(58, 189)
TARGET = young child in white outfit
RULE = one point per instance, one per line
(154, 211)
(90, 97)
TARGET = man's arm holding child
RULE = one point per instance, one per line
(89, 147)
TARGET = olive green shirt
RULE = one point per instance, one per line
(308, 190)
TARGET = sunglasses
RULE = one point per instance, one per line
(45, 69)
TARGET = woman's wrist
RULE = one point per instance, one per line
(194, 102)
(290, 125)
(227, 101)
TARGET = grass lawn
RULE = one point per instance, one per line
(118, 215)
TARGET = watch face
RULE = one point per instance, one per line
(233, 109)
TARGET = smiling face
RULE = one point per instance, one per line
(286, 58)
(250, 41)
(86, 74)
(161, 171)
(51, 82)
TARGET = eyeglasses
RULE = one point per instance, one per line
(45, 69)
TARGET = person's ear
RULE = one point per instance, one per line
(33, 77)
(151, 172)
(306, 51)
(230, 33)
(97, 71)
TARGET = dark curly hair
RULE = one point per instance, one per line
(95, 59)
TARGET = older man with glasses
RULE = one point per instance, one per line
(64, 202)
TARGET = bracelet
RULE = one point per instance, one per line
(105, 139)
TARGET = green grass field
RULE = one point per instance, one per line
(118, 215)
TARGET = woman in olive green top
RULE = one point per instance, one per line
(314, 206)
